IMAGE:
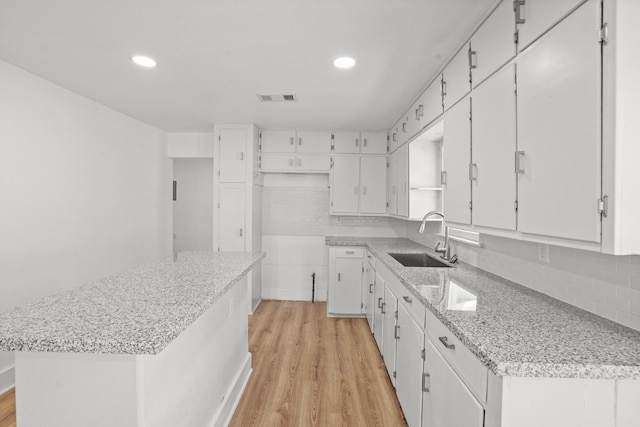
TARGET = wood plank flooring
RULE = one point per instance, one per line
(8, 409)
(310, 370)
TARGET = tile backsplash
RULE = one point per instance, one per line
(606, 285)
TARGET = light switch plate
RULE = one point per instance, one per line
(543, 253)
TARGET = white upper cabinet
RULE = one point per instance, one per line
(402, 167)
(278, 141)
(430, 103)
(392, 184)
(413, 120)
(345, 185)
(493, 130)
(493, 44)
(559, 147)
(346, 142)
(233, 158)
(456, 78)
(456, 152)
(535, 17)
(373, 184)
(425, 165)
(374, 143)
(308, 142)
(394, 136)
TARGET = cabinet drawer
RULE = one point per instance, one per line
(350, 252)
(470, 369)
(414, 306)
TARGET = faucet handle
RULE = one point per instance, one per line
(453, 259)
(440, 250)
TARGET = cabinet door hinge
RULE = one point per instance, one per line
(603, 34)
(363, 269)
(515, 205)
(387, 204)
(361, 306)
(603, 206)
(219, 138)
(422, 354)
(470, 205)
(396, 314)
(516, 37)
(332, 204)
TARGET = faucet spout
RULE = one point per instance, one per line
(426, 217)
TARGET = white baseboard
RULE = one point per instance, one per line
(289, 294)
(7, 379)
(234, 394)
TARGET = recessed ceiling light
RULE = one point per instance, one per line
(144, 61)
(344, 62)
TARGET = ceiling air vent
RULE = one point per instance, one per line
(277, 98)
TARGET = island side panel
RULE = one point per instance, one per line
(75, 390)
(196, 380)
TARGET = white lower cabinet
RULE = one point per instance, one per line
(447, 401)
(389, 317)
(378, 310)
(409, 366)
(345, 281)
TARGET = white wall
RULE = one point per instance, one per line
(295, 222)
(606, 285)
(84, 190)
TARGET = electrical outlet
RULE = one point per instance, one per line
(543, 253)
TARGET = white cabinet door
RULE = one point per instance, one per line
(456, 153)
(448, 401)
(431, 101)
(346, 142)
(413, 117)
(493, 129)
(309, 142)
(409, 368)
(559, 131)
(374, 143)
(277, 162)
(232, 220)
(313, 163)
(233, 159)
(390, 306)
(392, 184)
(394, 136)
(403, 180)
(456, 78)
(492, 45)
(345, 296)
(277, 141)
(378, 316)
(368, 279)
(345, 184)
(537, 16)
(373, 184)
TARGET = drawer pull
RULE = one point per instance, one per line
(384, 304)
(424, 382)
(350, 252)
(379, 302)
(371, 288)
(396, 332)
(338, 277)
(407, 299)
(445, 343)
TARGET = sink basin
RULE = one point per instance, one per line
(417, 260)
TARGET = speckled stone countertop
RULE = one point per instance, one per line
(514, 330)
(139, 311)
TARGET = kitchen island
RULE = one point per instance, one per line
(163, 344)
(538, 361)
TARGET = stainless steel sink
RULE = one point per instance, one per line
(417, 260)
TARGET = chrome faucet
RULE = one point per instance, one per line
(445, 250)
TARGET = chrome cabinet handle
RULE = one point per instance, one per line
(357, 142)
(445, 343)
(299, 140)
(424, 382)
(371, 288)
(241, 155)
(517, 7)
(396, 332)
(350, 252)
(443, 178)
(473, 61)
(291, 140)
(444, 88)
(384, 304)
(519, 155)
(364, 142)
(394, 137)
(473, 172)
(407, 299)
(379, 302)
(339, 277)
(241, 232)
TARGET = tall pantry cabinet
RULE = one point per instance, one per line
(237, 194)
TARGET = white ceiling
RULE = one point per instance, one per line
(214, 56)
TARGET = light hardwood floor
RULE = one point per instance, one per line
(311, 370)
(8, 409)
(308, 370)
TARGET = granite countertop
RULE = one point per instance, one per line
(514, 331)
(139, 311)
